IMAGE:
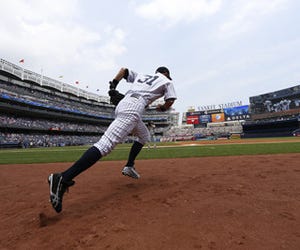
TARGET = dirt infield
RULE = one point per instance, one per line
(240, 202)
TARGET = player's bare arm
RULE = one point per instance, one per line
(123, 73)
(164, 107)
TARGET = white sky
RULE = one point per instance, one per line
(218, 51)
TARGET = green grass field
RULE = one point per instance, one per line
(163, 150)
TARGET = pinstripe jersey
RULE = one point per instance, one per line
(128, 114)
(151, 87)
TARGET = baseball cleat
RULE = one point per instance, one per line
(57, 189)
(131, 172)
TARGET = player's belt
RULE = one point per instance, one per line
(135, 95)
(139, 97)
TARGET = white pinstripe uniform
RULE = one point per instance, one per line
(128, 114)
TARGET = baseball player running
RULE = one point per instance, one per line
(128, 118)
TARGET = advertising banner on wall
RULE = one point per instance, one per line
(193, 119)
(206, 112)
(237, 113)
(219, 117)
(205, 118)
(227, 114)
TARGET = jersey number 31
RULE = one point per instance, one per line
(148, 79)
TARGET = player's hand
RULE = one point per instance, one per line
(113, 84)
(113, 92)
(160, 108)
(164, 107)
(115, 96)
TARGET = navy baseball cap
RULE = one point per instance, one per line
(164, 70)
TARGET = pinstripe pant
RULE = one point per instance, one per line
(128, 119)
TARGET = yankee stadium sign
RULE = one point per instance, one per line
(220, 106)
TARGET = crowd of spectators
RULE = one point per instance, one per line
(191, 133)
(36, 138)
(68, 104)
(52, 99)
(44, 140)
(44, 124)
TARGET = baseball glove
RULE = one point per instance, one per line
(115, 96)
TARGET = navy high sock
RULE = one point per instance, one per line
(134, 151)
(89, 158)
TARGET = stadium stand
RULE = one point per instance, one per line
(211, 132)
(38, 111)
(274, 114)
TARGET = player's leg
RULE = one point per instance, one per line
(114, 134)
(154, 141)
(143, 135)
(142, 132)
(59, 182)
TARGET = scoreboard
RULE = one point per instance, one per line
(218, 115)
